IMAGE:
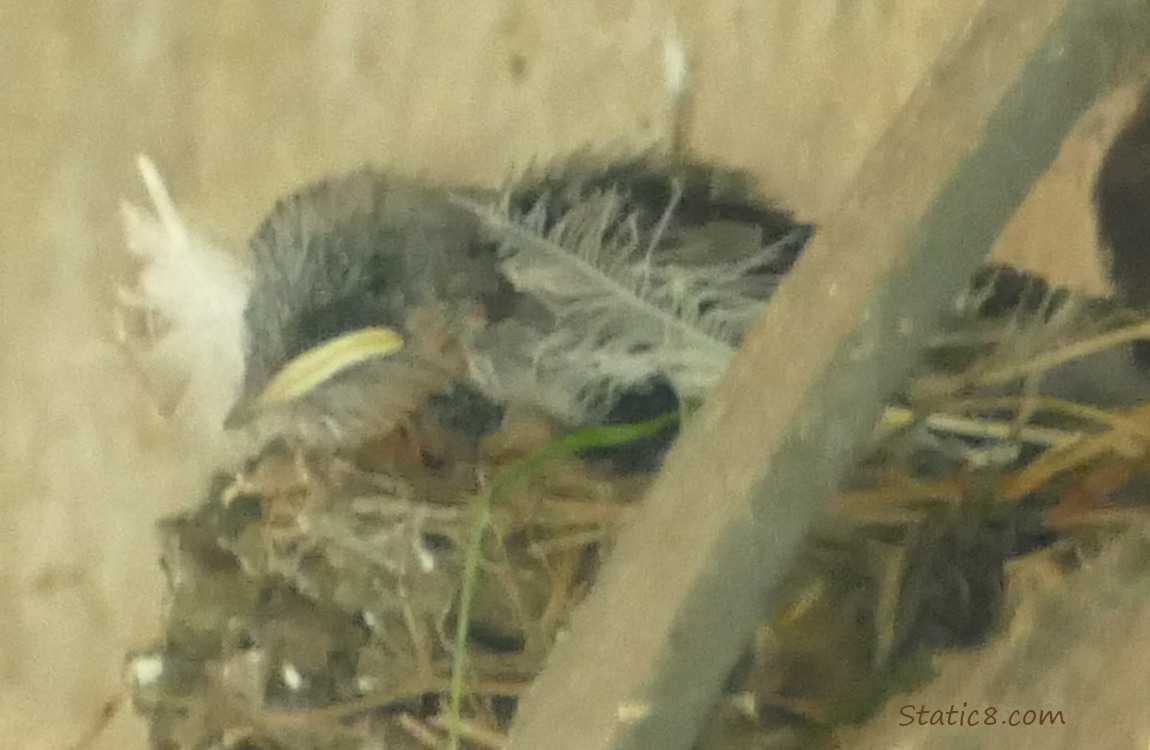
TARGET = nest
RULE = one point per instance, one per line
(316, 600)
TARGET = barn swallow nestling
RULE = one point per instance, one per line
(362, 289)
(594, 293)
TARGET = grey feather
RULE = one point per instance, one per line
(625, 300)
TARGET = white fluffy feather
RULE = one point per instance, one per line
(626, 305)
(197, 293)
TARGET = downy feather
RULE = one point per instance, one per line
(197, 292)
(623, 304)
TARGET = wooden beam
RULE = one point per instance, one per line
(647, 653)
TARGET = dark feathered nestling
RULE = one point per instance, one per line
(591, 292)
(566, 291)
(357, 252)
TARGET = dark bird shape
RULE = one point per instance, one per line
(1122, 202)
(371, 293)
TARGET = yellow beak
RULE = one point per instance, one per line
(317, 365)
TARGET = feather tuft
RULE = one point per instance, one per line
(626, 300)
(192, 296)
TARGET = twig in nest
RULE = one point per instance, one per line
(897, 417)
(419, 731)
(1055, 462)
(471, 732)
(1043, 362)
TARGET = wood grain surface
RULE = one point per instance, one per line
(239, 102)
